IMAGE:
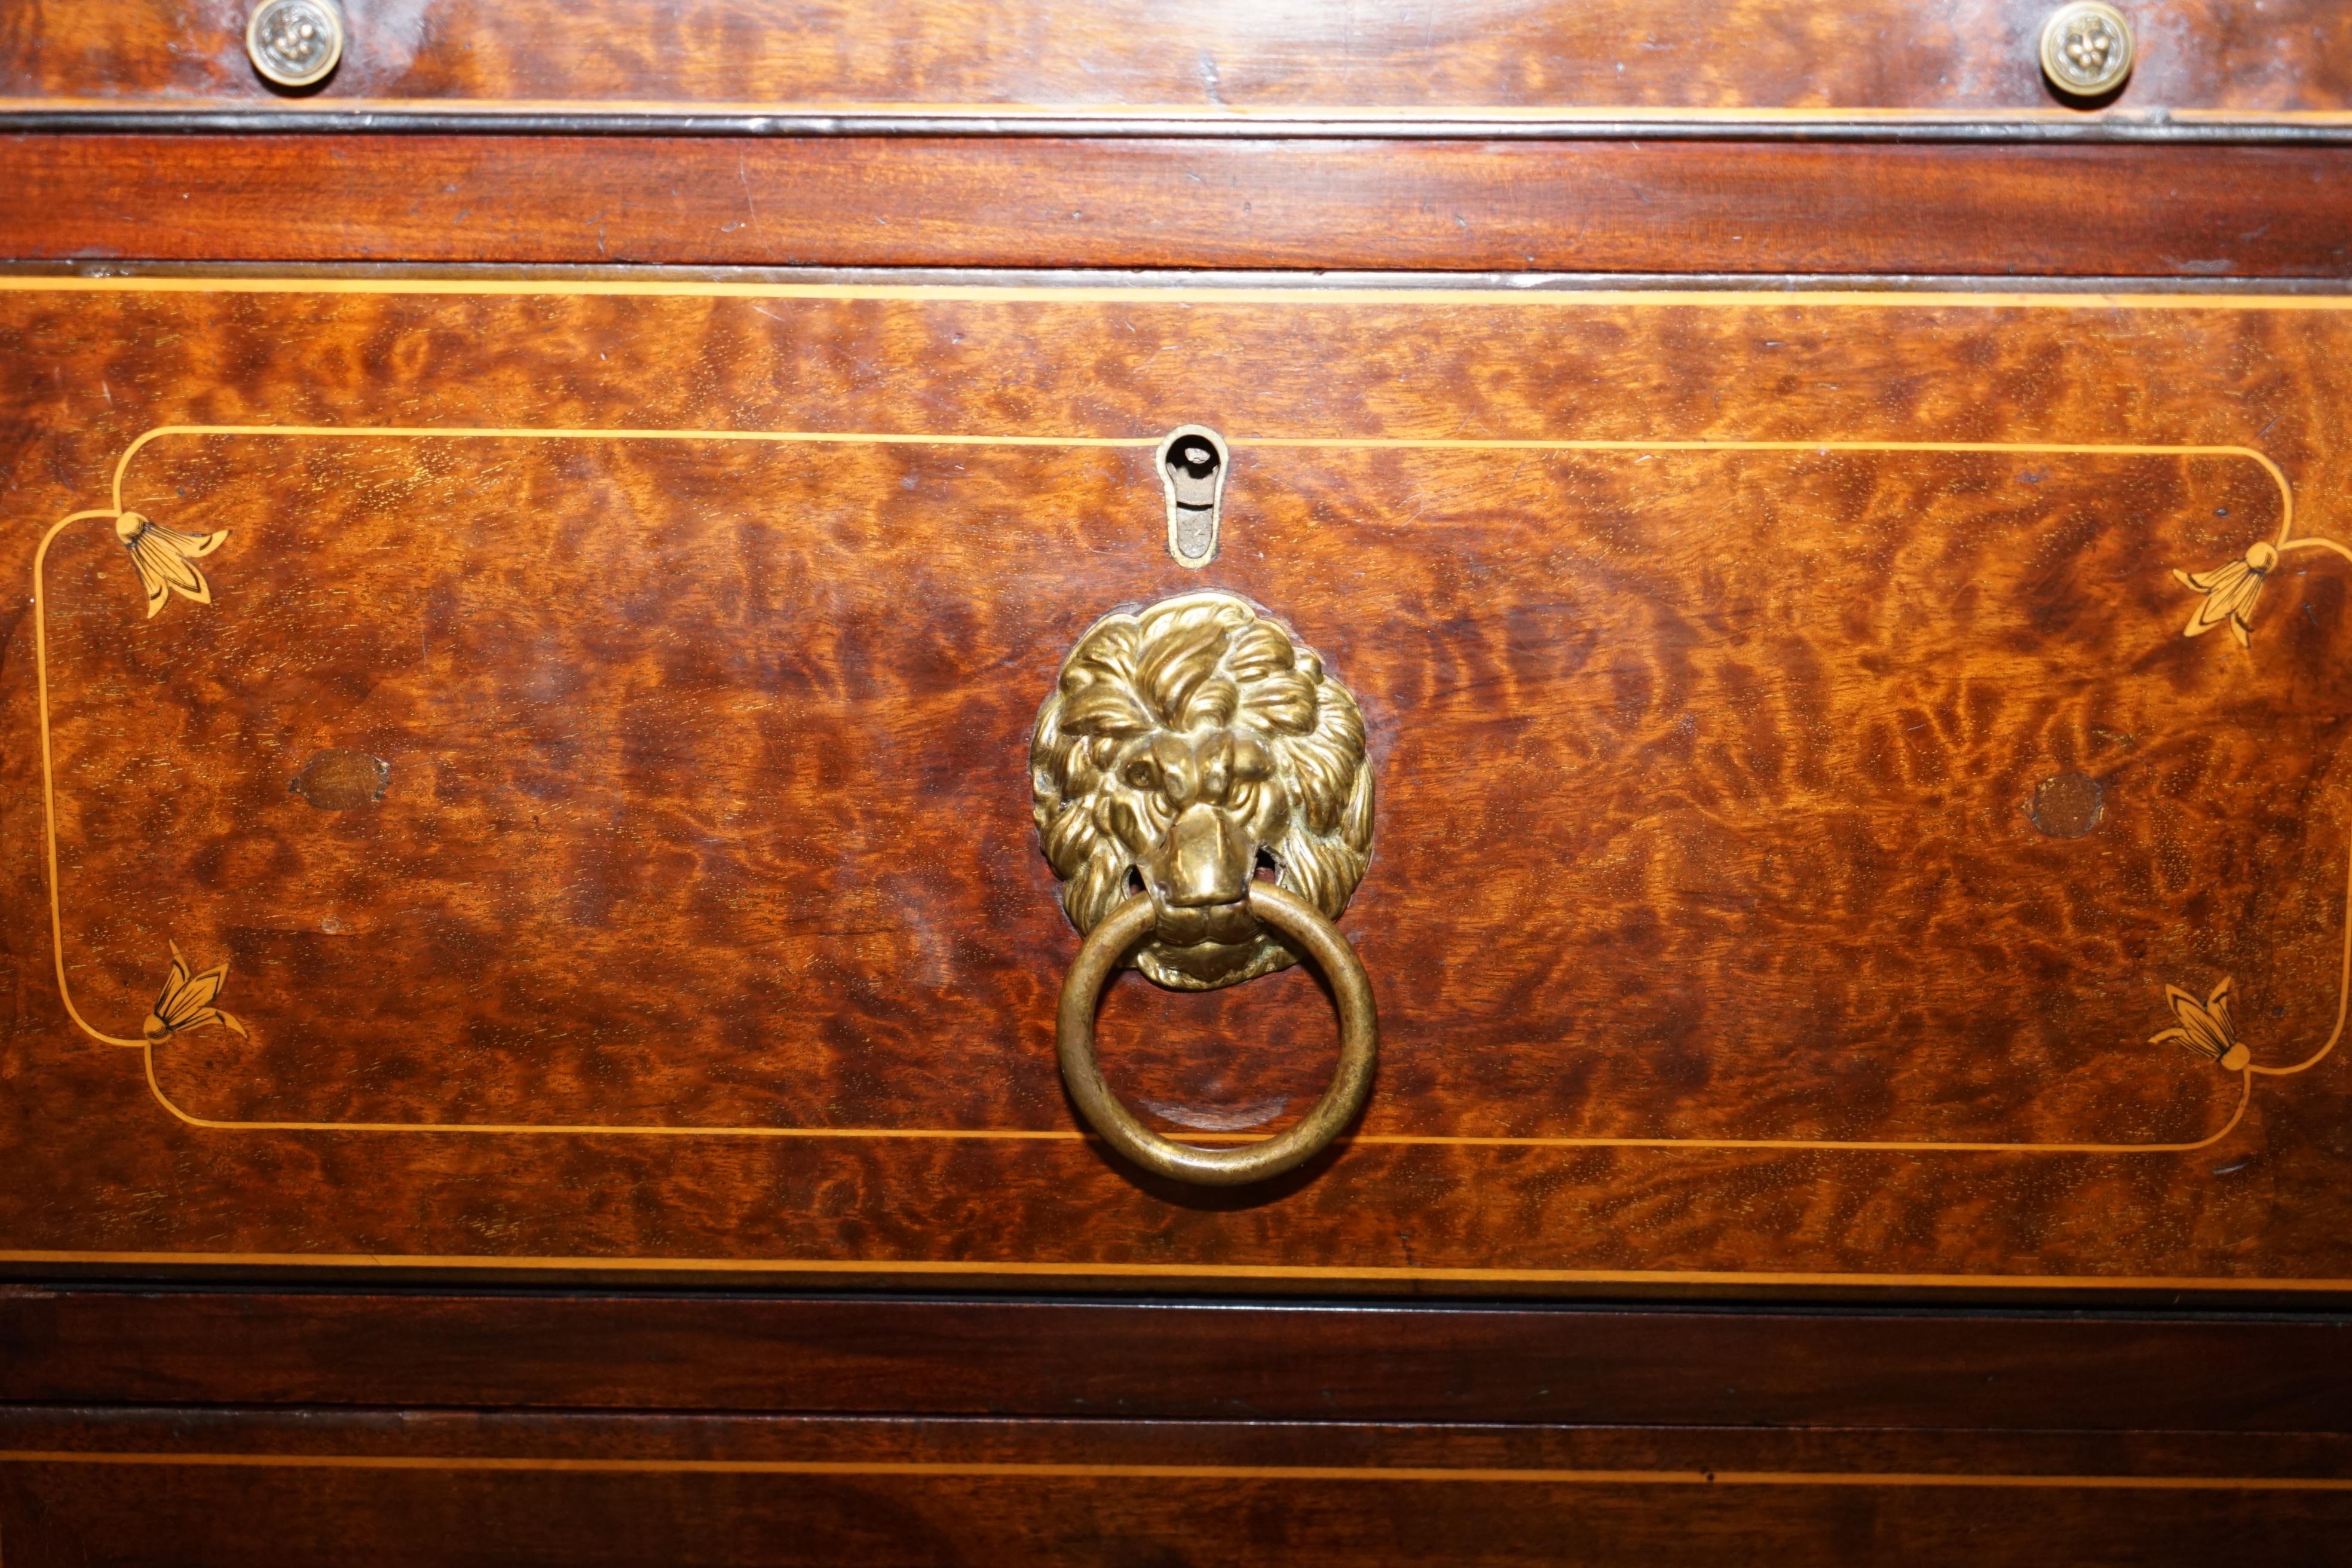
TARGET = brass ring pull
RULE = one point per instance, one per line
(1359, 1038)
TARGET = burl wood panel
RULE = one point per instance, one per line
(1021, 201)
(1205, 55)
(1789, 745)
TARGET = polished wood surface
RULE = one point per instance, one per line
(580, 872)
(180, 1487)
(618, 846)
(1208, 55)
(2090, 211)
(1982, 1370)
(153, 1425)
(1714, 835)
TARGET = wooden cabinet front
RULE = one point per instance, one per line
(592, 723)
(621, 612)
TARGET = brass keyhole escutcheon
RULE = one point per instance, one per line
(1194, 462)
(1184, 745)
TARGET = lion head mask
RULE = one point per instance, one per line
(1186, 745)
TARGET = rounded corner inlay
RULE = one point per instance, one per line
(1559, 616)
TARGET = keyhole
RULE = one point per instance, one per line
(1196, 459)
(1192, 464)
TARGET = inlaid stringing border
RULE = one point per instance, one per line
(2246, 1069)
(1326, 296)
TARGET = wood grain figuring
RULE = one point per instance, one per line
(1706, 775)
(1204, 55)
(812, 788)
(2190, 211)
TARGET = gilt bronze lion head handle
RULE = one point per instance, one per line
(1185, 747)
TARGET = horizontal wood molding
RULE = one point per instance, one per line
(2187, 212)
(180, 1486)
(1208, 1360)
(305, 117)
(200, 1427)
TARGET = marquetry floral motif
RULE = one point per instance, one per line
(165, 559)
(2205, 1026)
(186, 1001)
(2230, 593)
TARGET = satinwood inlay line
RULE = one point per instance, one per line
(2244, 1068)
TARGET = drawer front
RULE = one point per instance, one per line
(1499, 59)
(592, 724)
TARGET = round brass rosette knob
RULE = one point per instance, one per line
(2086, 48)
(1360, 1033)
(295, 44)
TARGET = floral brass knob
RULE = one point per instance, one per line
(295, 43)
(1184, 747)
(2086, 48)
